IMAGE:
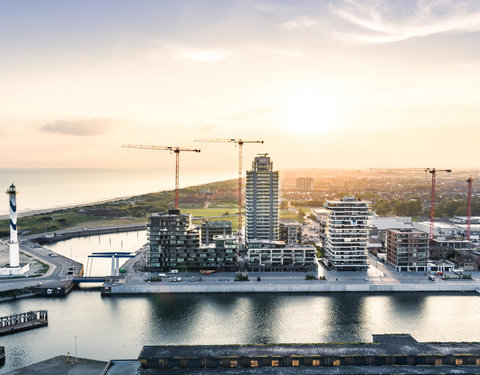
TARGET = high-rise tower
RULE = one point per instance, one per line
(346, 234)
(262, 200)
(14, 249)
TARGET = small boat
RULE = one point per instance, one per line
(477, 290)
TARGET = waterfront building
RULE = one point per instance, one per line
(212, 228)
(262, 200)
(304, 184)
(175, 244)
(172, 238)
(265, 255)
(290, 233)
(389, 353)
(346, 234)
(407, 249)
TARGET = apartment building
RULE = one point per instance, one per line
(262, 200)
(407, 249)
(346, 234)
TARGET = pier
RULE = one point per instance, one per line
(23, 321)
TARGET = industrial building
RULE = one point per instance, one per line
(264, 255)
(346, 234)
(407, 249)
(212, 228)
(304, 184)
(394, 353)
(175, 243)
(262, 200)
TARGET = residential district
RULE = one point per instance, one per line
(341, 247)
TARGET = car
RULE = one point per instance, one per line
(170, 279)
(192, 279)
(431, 278)
(39, 284)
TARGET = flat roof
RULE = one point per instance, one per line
(394, 344)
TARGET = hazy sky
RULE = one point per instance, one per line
(327, 84)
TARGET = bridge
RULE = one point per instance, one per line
(114, 255)
(93, 279)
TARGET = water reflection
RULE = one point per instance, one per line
(118, 327)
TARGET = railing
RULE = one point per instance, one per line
(11, 320)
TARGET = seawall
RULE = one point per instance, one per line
(261, 287)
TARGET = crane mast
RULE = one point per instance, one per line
(176, 150)
(433, 172)
(469, 205)
(240, 143)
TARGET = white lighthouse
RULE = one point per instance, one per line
(14, 268)
(14, 249)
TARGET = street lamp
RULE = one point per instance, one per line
(76, 357)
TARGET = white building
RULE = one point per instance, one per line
(346, 234)
(262, 200)
(276, 256)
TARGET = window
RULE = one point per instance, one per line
(458, 361)
(336, 362)
(233, 363)
(316, 362)
(295, 362)
(275, 363)
(438, 362)
(253, 363)
(477, 361)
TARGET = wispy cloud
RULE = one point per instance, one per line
(386, 22)
(199, 55)
(303, 22)
(88, 127)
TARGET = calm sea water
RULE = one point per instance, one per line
(47, 188)
(118, 327)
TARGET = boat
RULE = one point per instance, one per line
(477, 290)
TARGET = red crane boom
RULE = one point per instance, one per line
(433, 172)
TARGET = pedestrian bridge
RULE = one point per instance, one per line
(94, 279)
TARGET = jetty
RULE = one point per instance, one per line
(23, 321)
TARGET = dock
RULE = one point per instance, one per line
(23, 321)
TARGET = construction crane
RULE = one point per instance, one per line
(240, 143)
(469, 205)
(433, 172)
(173, 149)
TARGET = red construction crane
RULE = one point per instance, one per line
(177, 151)
(469, 205)
(240, 143)
(433, 171)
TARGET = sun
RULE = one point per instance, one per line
(310, 110)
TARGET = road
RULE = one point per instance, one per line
(57, 274)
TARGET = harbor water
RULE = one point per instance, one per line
(118, 326)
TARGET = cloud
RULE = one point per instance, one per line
(303, 22)
(199, 55)
(89, 127)
(387, 22)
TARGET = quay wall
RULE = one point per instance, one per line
(238, 287)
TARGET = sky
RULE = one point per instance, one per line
(326, 84)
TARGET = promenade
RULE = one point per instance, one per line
(378, 279)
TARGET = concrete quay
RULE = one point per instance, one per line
(311, 286)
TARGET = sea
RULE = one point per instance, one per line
(56, 188)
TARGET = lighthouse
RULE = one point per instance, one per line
(14, 267)
(14, 250)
